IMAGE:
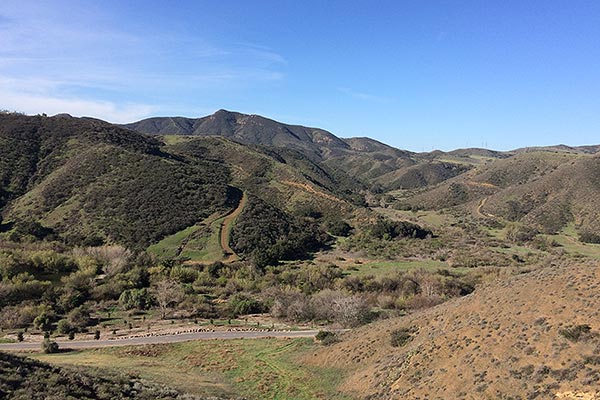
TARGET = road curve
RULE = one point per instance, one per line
(137, 341)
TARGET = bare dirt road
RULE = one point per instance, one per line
(226, 230)
(142, 340)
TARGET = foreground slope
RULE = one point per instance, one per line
(523, 337)
(27, 379)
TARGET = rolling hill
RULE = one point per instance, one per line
(85, 181)
(246, 129)
(373, 163)
(547, 189)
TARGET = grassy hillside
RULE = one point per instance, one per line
(233, 369)
(84, 181)
(547, 190)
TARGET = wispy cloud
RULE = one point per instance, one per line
(81, 63)
(364, 96)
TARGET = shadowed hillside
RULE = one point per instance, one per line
(87, 182)
(27, 379)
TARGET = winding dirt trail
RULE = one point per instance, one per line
(480, 213)
(225, 231)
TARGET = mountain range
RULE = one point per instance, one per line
(136, 184)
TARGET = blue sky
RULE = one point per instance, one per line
(414, 74)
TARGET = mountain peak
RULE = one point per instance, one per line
(246, 129)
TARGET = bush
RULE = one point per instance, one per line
(338, 227)
(49, 346)
(385, 229)
(575, 333)
(401, 337)
(79, 318)
(64, 326)
(139, 299)
(43, 321)
(518, 233)
(589, 237)
(242, 304)
(326, 337)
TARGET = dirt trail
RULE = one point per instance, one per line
(480, 213)
(226, 230)
(312, 190)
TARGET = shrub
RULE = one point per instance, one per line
(518, 233)
(43, 321)
(589, 237)
(79, 318)
(326, 337)
(64, 326)
(338, 227)
(386, 230)
(49, 346)
(242, 304)
(135, 299)
(401, 337)
(576, 332)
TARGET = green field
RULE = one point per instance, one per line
(383, 268)
(255, 369)
(197, 243)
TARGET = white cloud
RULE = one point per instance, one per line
(108, 111)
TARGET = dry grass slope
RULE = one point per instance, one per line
(508, 340)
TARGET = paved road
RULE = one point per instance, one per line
(136, 341)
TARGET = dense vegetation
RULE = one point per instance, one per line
(91, 182)
(267, 234)
(27, 379)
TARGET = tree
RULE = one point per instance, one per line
(64, 326)
(351, 311)
(135, 299)
(43, 321)
(167, 294)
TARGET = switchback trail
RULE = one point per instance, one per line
(149, 339)
(226, 225)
